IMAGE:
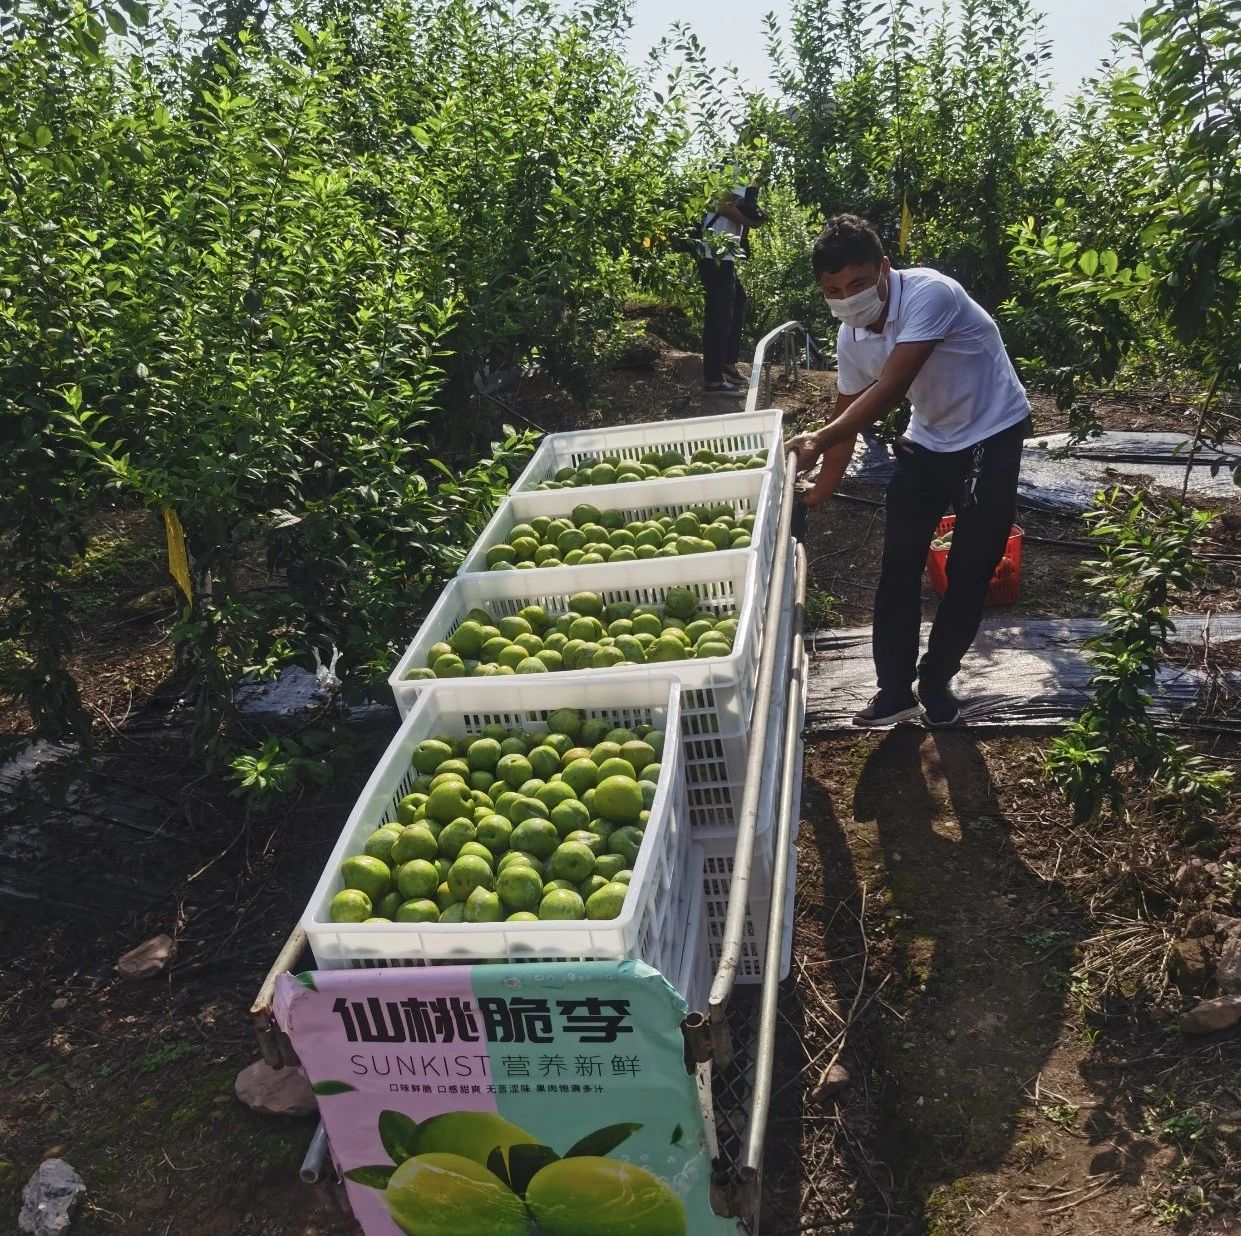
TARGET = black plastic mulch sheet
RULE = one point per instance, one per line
(1063, 478)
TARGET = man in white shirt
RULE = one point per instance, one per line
(917, 333)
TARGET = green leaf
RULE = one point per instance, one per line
(42, 136)
(677, 1134)
(524, 1161)
(602, 1141)
(307, 980)
(372, 1177)
(139, 15)
(399, 1135)
(332, 1087)
(1089, 262)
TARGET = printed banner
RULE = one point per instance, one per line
(506, 1100)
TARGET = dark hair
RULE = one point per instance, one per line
(845, 240)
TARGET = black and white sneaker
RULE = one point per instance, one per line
(887, 707)
(722, 388)
(940, 708)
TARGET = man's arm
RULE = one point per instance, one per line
(874, 403)
(835, 460)
(728, 208)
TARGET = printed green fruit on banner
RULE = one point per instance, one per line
(369, 875)
(618, 798)
(591, 1195)
(443, 1194)
(350, 905)
(473, 1135)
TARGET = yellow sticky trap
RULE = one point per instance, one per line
(907, 222)
(178, 559)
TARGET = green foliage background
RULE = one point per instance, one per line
(256, 259)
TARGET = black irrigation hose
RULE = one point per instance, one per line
(1064, 542)
(511, 411)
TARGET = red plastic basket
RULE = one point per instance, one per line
(1005, 583)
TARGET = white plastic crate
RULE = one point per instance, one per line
(715, 764)
(717, 881)
(719, 846)
(734, 433)
(648, 925)
(746, 492)
(693, 977)
(718, 691)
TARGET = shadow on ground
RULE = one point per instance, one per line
(967, 937)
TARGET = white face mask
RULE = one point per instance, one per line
(860, 309)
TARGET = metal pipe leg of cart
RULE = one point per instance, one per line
(790, 773)
(316, 1155)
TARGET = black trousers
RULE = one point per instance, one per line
(925, 485)
(723, 317)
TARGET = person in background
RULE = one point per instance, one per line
(725, 230)
(916, 332)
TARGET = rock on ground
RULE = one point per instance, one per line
(275, 1092)
(50, 1199)
(1228, 967)
(147, 960)
(834, 1081)
(1212, 1015)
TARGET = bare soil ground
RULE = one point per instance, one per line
(1014, 1056)
(1015, 1062)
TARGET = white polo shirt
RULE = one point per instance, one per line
(968, 388)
